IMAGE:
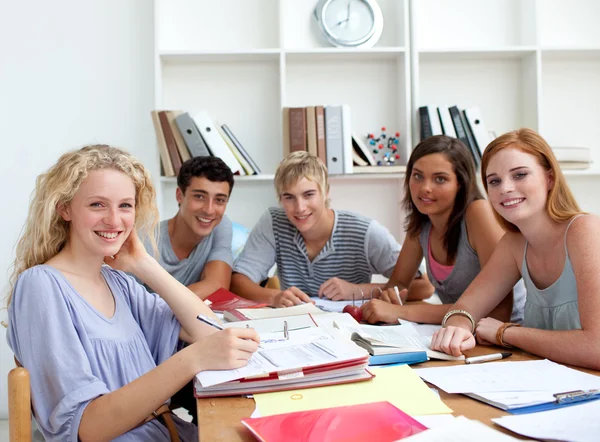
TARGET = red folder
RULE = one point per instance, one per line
(377, 421)
(223, 300)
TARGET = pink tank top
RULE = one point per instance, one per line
(438, 271)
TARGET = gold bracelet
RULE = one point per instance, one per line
(500, 333)
(460, 312)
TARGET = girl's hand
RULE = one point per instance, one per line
(389, 295)
(452, 340)
(380, 311)
(132, 253)
(227, 349)
(486, 330)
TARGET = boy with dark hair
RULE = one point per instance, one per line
(195, 245)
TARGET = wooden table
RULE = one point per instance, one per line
(219, 418)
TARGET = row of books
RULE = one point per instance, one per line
(464, 124)
(181, 136)
(325, 131)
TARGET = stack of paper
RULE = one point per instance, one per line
(461, 430)
(308, 357)
(525, 386)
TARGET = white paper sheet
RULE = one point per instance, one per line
(577, 423)
(541, 375)
(305, 348)
(461, 429)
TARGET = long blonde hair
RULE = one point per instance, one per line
(45, 232)
(560, 205)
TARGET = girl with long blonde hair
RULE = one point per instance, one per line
(549, 242)
(100, 349)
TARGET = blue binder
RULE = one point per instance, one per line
(562, 400)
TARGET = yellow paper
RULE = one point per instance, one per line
(398, 385)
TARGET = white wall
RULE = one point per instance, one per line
(72, 72)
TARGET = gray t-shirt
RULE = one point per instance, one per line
(358, 248)
(215, 247)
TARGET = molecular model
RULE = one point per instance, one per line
(385, 148)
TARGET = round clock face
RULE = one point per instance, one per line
(350, 23)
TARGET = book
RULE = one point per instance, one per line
(471, 140)
(222, 300)
(165, 160)
(320, 122)
(297, 117)
(245, 314)
(311, 130)
(191, 135)
(215, 143)
(241, 149)
(285, 119)
(184, 152)
(380, 169)
(236, 153)
(303, 358)
(363, 151)
(357, 159)
(334, 140)
(170, 141)
(376, 421)
(385, 353)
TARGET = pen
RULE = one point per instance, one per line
(486, 358)
(216, 325)
(286, 334)
(398, 294)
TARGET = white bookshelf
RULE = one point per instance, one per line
(533, 63)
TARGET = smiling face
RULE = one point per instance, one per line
(203, 205)
(518, 185)
(102, 213)
(433, 185)
(304, 204)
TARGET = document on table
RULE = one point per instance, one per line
(305, 348)
(461, 429)
(577, 423)
(398, 385)
(328, 305)
(541, 375)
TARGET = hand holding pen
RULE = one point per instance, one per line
(216, 325)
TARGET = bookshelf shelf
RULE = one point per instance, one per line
(525, 63)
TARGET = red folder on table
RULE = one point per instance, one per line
(223, 300)
(377, 421)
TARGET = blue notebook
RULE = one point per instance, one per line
(383, 353)
(399, 358)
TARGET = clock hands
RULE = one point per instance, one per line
(347, 14)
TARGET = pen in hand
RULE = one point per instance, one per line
(398, 295)
(216, 325)
(486, 358)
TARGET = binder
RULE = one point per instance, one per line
(223, 300)
(302, 358)
(446, 120)
(434, 119)
(334, 140)
(236, 153)
(480, 132)
(472, 144)
(311, 130)
(191, 136)
(458, 125)
(297, 128)
(181, 146)
(167, 166)
(320, 122)
(170, 141)
(347, 139)
(425, 123)
(215, 143)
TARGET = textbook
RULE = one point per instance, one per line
(377, 421)
(383, 353)
(223, 300)
(308, 357)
